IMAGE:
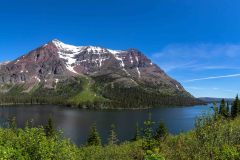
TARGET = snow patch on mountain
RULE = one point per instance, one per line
(95, 50)
(118, 56)
(114, 51)
(66, 47)
(69, 53)
(138, 71)
(131, 59)
(177, 87)
(4, 63)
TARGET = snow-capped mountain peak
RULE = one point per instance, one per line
(94, 54)
(76, 49)
(4, 63)
(66, 47)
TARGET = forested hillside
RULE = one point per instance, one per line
(84, 92)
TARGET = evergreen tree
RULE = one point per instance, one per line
(215, 110)
(13, 124)
(161, 132)
(94, 138)
(235, 107)
(137, 135)
(223, 108)
(228, 109)
(148, 141)
(112, 136)
(26, 125)
(49, 128)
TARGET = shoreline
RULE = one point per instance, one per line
(100, 108)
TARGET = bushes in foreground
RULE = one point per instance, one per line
(212, 139)
(32, 143)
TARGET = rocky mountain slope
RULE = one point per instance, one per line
(60, 70)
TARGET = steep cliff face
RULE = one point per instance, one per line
(107, 69)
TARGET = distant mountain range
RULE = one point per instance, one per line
(89, 76)
(211, 99)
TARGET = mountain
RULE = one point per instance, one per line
(4, 63)
(217, 100)
(89, 76)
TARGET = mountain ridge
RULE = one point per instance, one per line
(215, 99)
(106, 70)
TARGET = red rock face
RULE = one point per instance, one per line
(56, 61)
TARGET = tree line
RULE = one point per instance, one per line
(137, 97)
(228, 110)
(148, 134)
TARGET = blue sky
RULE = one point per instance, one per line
(196, 42)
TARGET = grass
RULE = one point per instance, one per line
(87, 95)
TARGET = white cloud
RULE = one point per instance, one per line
(200, 50)
(213, 77)
(198, 57)
(214, 88)
(195, 88)
(207, 62)
(173, 66)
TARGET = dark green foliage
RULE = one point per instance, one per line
(137, 134)
(235, 107)
(228, 109)
(112, 139)
(212, 139)
(215, 111)
(49, 128)
(32, 144)
(222, 107)
(13, 124)
(161, 132)
(223, 111)
(138, 97)
(148, 140)
(123, 151)
(94, 138)
(95, 93)
(64, 91)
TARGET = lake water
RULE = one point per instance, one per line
(76, 123)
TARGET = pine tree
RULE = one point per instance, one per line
(26, 125)
(112, 136)
(222, 108)
(235, 107)
(228, 109)
(94, 138)
(49, 128)
(148, 141)
(137, 135)
(215, 110)
(13, 124)
(161, 132)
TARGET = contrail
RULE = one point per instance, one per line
(214, 77)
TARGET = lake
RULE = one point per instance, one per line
(76, 123)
